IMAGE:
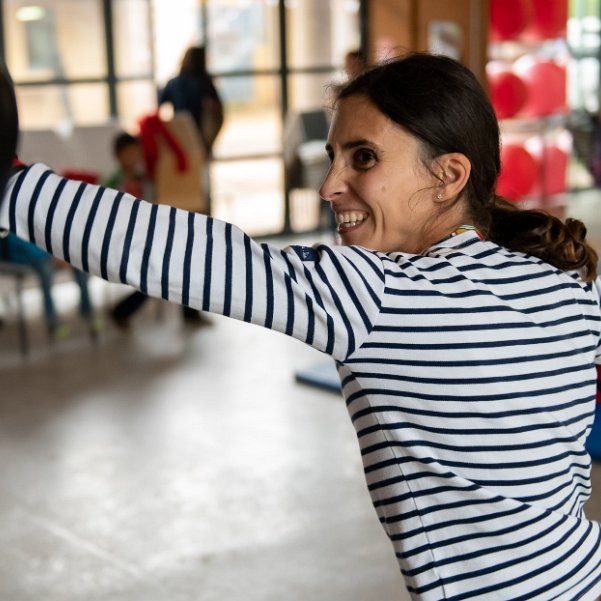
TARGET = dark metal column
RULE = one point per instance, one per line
(284, 103)
(107, 8)
(364, 39)
(2, 49)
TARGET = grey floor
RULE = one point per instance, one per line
(173, 464)
(176, 464)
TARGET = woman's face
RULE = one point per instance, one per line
(381, 194)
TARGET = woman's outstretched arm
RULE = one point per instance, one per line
(328, 297)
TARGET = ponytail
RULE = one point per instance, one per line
(537, 233)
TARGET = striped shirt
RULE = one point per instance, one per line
(468, 372)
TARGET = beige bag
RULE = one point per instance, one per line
(181, 189)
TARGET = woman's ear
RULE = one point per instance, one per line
(453, 171)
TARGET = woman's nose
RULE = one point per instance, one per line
(333, 185)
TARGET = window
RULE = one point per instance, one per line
(584, 41)
(82, 63)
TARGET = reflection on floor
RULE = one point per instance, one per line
(177, 464)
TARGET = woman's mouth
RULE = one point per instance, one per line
(346, 221)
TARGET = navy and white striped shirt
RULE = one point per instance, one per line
(468, 373)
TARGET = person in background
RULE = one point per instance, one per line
(130, 177)
(130, 174)
(354, 64)
(466, 330)
(21, 252)
(193, 91)
(9, 125)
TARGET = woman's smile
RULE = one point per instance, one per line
(347, 221)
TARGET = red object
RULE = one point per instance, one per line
(508, 18)
(89, 177)
(508, 93)
(553, 168)
(151, 129)
(519, 172)
(598, 383)
(133, 187)
(546, 81)
(549, 19)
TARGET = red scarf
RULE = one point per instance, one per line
(151, 127)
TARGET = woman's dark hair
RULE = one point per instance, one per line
(442, 104)
(194, 62)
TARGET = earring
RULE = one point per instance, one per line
(439, 196)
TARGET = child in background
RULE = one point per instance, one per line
(21, 252)
(130, 176)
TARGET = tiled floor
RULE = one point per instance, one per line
(169, 464)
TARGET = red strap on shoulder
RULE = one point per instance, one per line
(598, 383)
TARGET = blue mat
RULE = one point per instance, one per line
(323, 375)
(593, 442)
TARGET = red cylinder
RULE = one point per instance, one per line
(508, 18)
(519, 172)
(508, 93)
(553, 169)
(546, 82)
(549, 19)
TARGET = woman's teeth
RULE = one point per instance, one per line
(349, 219)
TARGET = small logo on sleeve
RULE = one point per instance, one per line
(306, 253)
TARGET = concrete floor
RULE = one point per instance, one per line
(169, 464)
(174, 464)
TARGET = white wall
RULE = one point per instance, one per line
(86, 148)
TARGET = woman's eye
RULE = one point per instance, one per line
(364, 158)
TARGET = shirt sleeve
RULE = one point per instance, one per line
(328, 297)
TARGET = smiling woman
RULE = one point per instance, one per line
(466, 332)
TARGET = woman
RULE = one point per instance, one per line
(193, 91)
(465, 331)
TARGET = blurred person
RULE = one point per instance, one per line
(130, 174)
(9, 125)
(193, 91)
(21, 252)
(130, 177)
(354, 64)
